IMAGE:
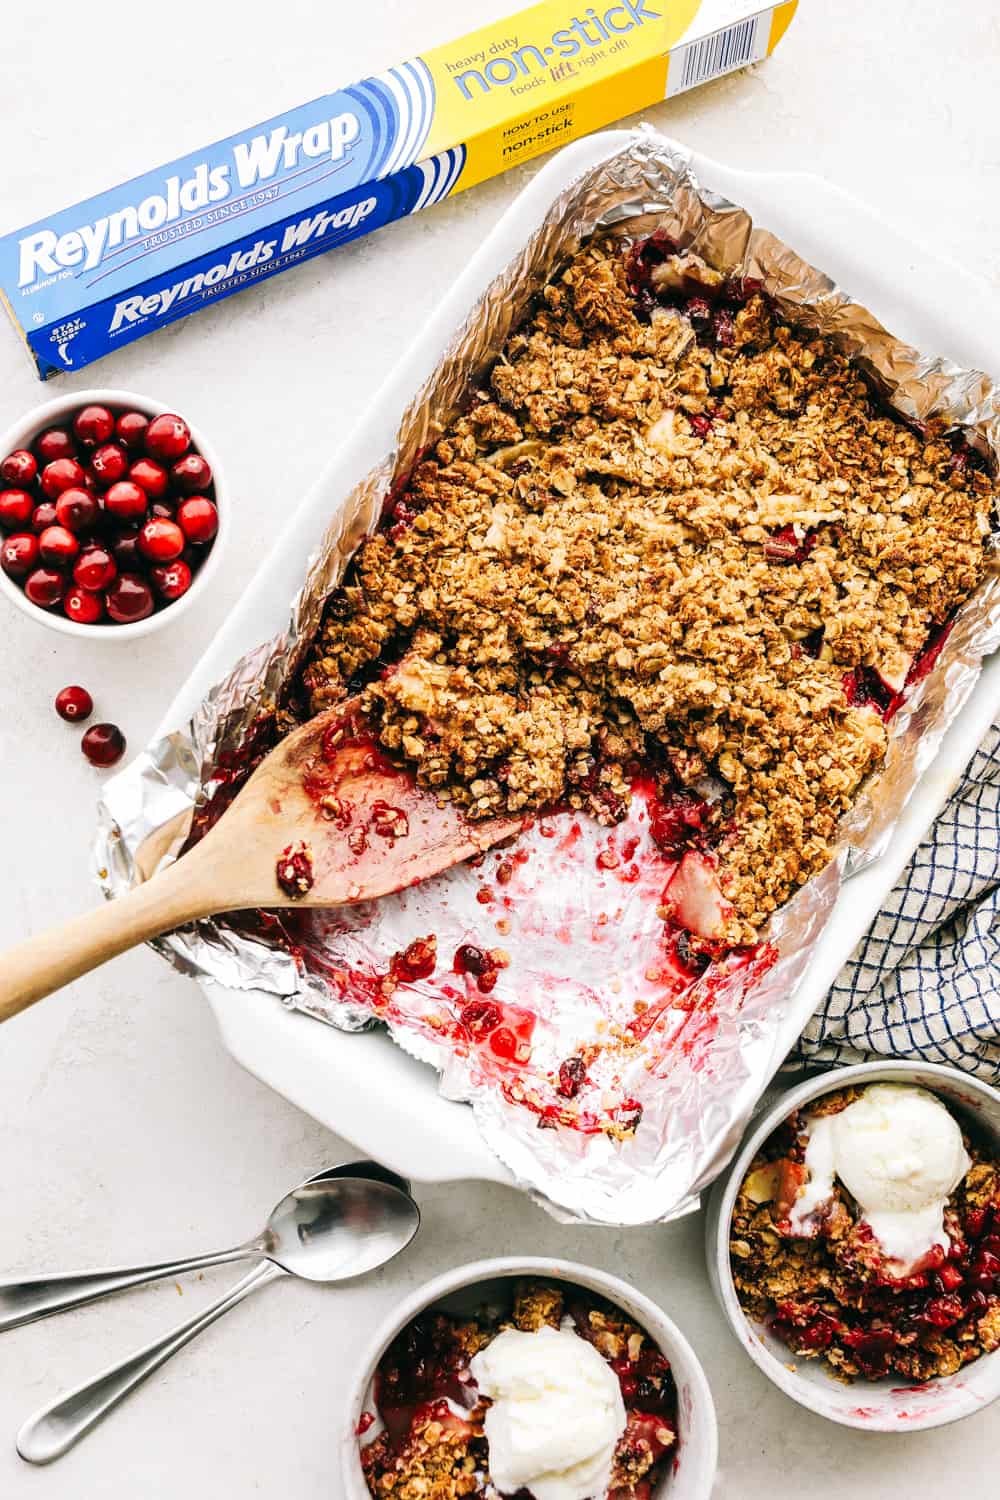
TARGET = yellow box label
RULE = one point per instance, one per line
(549, 74)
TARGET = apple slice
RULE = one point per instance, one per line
(693, 897)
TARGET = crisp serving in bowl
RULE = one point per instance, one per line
(535, 1378)
(858, 1240)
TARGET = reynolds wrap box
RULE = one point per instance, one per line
(82, 282)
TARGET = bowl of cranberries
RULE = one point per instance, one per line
(111, 514)
(625, 1409)
(854, 1245)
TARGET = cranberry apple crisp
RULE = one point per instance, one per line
(426, 1437)
(669, 533)
(824, 1282)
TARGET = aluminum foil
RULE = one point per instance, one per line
(580, 941)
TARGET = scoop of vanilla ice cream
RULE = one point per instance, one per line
(900, 1155)
(556, 1417)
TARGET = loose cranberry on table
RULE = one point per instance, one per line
(108, 516)
(74, 704)
(103, 744)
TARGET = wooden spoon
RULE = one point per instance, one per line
(325, 820)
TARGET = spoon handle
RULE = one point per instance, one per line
(53, 1431)
(41, 1296)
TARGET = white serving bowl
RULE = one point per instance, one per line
(466, 1287)
(870, 1405)
(53, 414)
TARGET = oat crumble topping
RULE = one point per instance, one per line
(669, 529)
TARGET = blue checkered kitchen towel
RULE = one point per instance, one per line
(924, 982)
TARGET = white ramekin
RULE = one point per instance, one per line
(694, 1468)
(50, 414)
(872, 1406)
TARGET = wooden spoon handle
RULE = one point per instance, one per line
(41, 964)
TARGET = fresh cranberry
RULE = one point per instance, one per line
(43, 515)
(77, 510)
(15, 508)
(479, 1018)
(198, 519)
(191, 474)
(163, 510)
(161, 540)
(150, 476)
(94, 569)
(93, 425)
(701, 423)
(62, 474)
(54, 444)
(19, 554)
(45, 587)
(699, 312)
(19, 468)
(126, 549)
(171, 580)
(130, 429)
(167, 437)
(129, 598)
(103, 744)
(109, 463)
(125, 501)
(57, 545)
(73, 704)
(83, 606)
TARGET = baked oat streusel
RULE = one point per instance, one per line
(834, 1296)
(670, 529)
(432, 1445)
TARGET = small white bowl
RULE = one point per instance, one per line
(52, 414)
(468, 1286)
(870, 1405)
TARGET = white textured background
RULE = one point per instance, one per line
(125, 1131)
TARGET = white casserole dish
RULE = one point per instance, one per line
(363, 1086)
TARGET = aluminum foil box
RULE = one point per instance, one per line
(84, 281)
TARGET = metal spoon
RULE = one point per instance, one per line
(324, 1231)
(24, 1301)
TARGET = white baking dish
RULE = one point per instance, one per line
(363, 1086)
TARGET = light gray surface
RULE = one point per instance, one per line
(118, 1089)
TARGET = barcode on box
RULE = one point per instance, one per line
(712, 56)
